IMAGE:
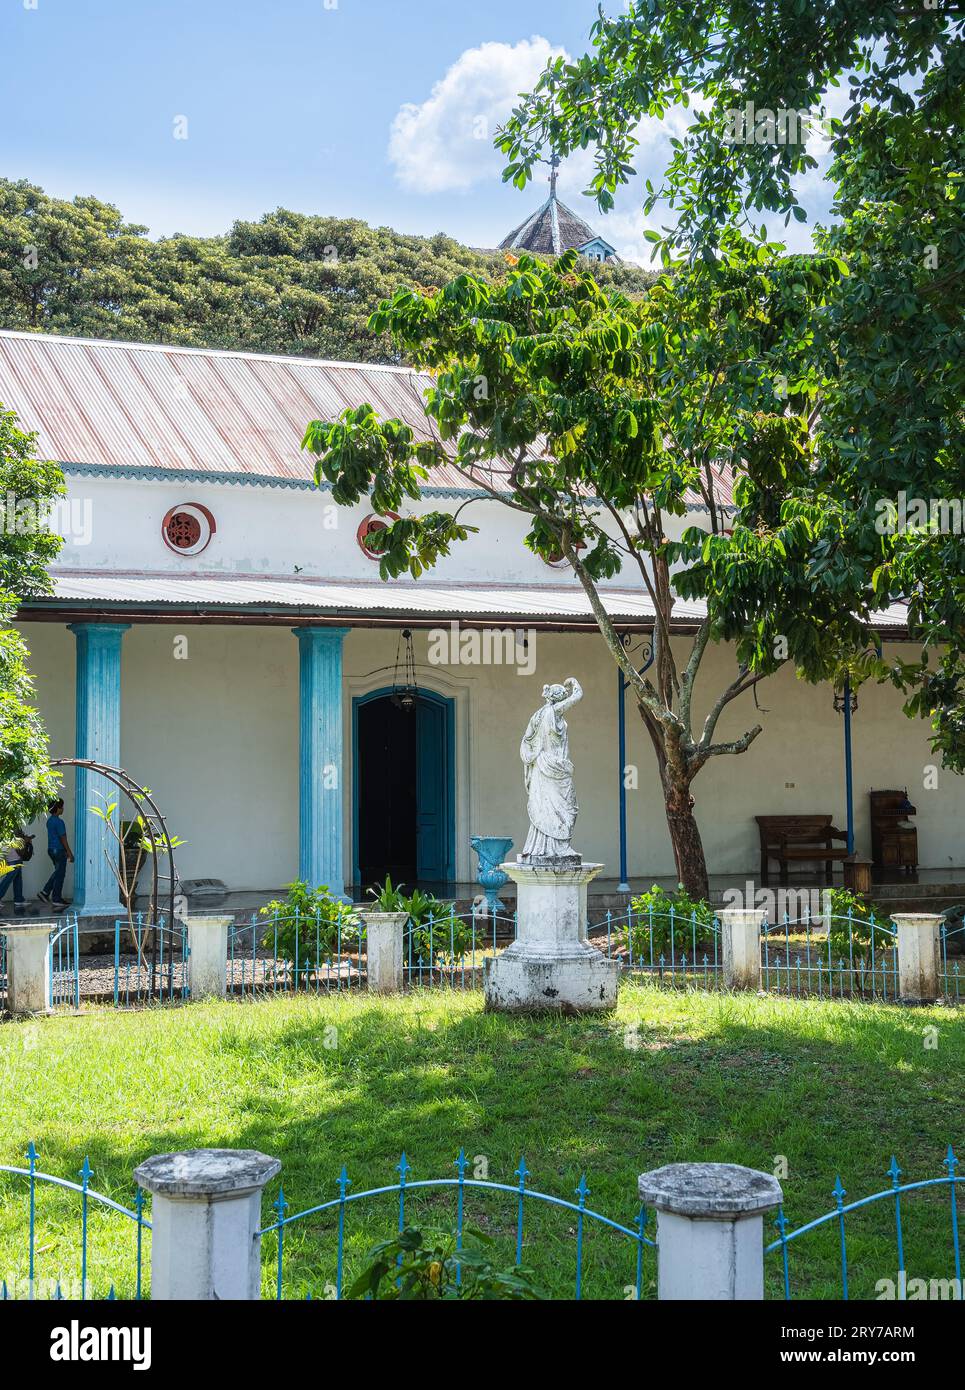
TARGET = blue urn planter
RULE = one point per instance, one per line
(492, 850)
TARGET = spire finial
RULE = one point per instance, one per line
(554, 165)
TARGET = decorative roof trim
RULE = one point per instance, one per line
(134, 473)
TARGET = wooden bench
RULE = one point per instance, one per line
(799, 838)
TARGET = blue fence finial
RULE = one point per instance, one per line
(32, 1154)
(894, 1172)
(343, 1181)
(87, 1172)
(403, 1167)
(279, 1204)
(951, 1162)
(461, 1163)
(522, 1172)
(582, 1190)
(839, 1191)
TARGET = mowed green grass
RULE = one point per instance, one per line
(826, 1087)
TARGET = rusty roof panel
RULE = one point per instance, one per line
(236, 414)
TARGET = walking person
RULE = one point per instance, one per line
(60, 854)
(15, 856)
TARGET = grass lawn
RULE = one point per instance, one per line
(833, 1087)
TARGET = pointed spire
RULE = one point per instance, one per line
(554, 166)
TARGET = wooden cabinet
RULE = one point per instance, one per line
(894, 840)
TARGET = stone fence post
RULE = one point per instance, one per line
(740, 930)
(919, 956)
(28, 967)
(710, 1229)
(384, 940)
(205, 1213)
(208, 956)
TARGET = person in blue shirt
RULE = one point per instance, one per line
(60, 854)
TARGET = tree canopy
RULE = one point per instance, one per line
(28, 489)
(889, 421)
(289, 283)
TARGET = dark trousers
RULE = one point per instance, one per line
(55, 883)
(15, 876)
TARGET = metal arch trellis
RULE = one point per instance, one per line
(156, 831)
(155, 825)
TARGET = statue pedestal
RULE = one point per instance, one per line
(551, 967)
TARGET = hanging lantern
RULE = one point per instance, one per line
(405, 691)
(844, 697)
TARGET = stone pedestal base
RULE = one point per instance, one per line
(551, 967)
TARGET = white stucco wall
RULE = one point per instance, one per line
(116, 525)
(216, 738)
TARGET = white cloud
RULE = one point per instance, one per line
(445, 144)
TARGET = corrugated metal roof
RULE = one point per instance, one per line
(139, 406)
(337, 596)
(142, 408)
(373, 597)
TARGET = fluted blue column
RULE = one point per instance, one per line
(98, 736)
(320, 756)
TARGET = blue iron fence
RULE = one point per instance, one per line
(30, 1282)
(624, 1270)
(296, 951)
(951, 972)
(450, 948)
(462, 1186)
(146, 964)
(672, 947)
(835, 955)
(893, 1193)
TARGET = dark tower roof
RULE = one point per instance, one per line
(552, 229)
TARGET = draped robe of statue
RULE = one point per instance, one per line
(548, 776)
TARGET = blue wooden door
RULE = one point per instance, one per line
(432, 791)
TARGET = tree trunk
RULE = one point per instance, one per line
(688, 849)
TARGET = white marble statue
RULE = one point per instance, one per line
(548, 775)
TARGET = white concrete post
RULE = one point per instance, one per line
(710, 1229)
(740, 930)
(205, 1212)
(208, 956)
(919, 956)
(384, 939)
(28, 967)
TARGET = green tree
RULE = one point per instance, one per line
(598, 417)
(28, 489)
(889, 420)
(288, 283)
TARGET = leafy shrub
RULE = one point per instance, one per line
(416, 1267)
(655, 908)
(842, 902)
(447, 937)
(311, 922)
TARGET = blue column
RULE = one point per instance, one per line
(320, 756)
(97, 735)
(848, 765)
(624, 885)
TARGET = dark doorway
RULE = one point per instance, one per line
(404, 794)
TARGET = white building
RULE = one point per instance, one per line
(197, 542)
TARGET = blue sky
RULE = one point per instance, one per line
(379, 109)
